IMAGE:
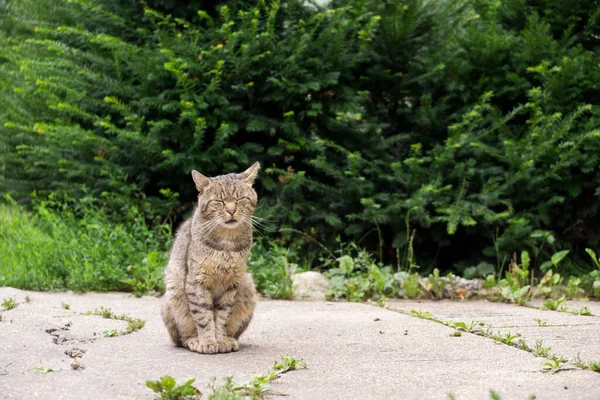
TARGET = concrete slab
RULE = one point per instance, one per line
(574, 305)
(568, 335)
(353, 351)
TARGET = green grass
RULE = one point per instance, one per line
(55, 249)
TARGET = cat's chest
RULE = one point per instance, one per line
(219, 268)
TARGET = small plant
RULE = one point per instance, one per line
(227, 391)
(110, 333)
(494, 395)
(133, 324)
(515, 287)
(457, 333)
(585, 311)
(66, 306)
(9, 303)
(434, 285)
(422, 314)
(578, 362)
(540, 322)
(466, 327)
(409, 284)
(506, 338)
(167, 389)
(288, 363)
(540, 350)
(105, 313)
(593, 366)
(573, 289)
(554, 365)
(550, 283)
(426, 315)
(553, 305)
(257, 387)
(43, 370)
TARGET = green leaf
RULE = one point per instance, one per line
(167, 382)
(346, 264)
(154, 385)
(525, 259)
(593, 256)
(544, 267)
(558, 256)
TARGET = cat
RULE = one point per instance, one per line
(210, 299)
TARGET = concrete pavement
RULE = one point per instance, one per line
(353, 351)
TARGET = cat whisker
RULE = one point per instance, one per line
(257, 225)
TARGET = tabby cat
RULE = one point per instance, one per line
(210, 299)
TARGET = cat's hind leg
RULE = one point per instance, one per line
(243, 308)
(169, 321)
(178, 319)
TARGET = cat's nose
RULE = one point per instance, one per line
(230, 208)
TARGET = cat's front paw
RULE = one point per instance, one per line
(202, 346)
(227, 345)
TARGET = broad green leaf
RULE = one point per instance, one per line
(558, 256)
(593, 256)
(346, 264)
(167, 382)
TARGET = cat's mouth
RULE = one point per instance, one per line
(232, 221)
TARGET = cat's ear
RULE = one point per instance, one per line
(200, 180)
(250, 174)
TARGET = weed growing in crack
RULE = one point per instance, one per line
(133, 324)
(426, 315)
(552, 304)
(110, 333)
(540, 350)
(255, 388)
(43, 370)
(167, 389)
(540, 322)
(288, 363)
(506, 338)
(578, 362)
(593, 366)
(585, 311)
(554, 365)
(66, 306)
(225, 391)
(9, 303)
(465, 327)
(590, 365)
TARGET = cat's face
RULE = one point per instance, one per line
(227, 201)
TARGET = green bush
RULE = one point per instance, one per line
(457, 129)
(272, 267)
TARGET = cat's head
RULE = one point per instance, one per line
(227, 200)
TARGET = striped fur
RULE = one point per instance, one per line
(210, 299)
